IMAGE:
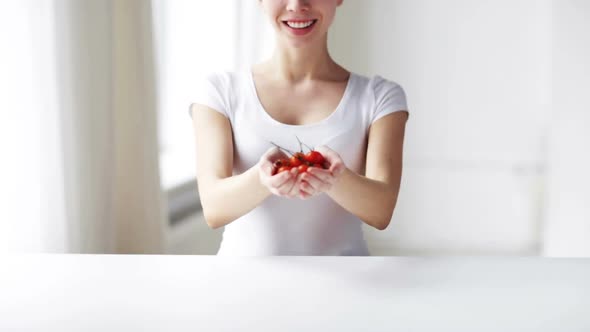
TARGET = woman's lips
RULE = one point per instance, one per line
(300, 27)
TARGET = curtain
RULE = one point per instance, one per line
(87, 91)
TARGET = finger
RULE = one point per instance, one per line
(306, 189)
(297, 180)
(337, 169)
(279, 190)
(312, 181)
(333, 160)
(286, 189)
(303, 195)
(328, 153)
(275, 192)
(265, 165)
(268, 179)
(322, 174)
(273, 154)
(323, 149)
(270, 152)
(279, 179)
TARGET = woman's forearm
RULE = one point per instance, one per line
(371, 200)
(225, 200)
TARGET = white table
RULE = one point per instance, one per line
(209, 293)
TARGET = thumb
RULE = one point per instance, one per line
(338, 169)
(330, 155)
(269, 153)
(265, 166)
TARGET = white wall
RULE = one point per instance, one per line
(478, 80)
(567, 230)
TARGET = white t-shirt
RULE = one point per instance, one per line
(283, 226)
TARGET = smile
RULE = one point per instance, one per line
(299, 24)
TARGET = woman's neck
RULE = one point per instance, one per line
(304, 63)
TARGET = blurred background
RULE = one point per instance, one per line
(98, 151)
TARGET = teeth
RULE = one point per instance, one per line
(299, 25)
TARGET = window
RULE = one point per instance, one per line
(27, 159)
(193, 38)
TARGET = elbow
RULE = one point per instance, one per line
(213, 225)
(383, 221)
(216, 219)
(382, 225)
(213, 220)
(379, 223)
(211, 212)
(215, 213)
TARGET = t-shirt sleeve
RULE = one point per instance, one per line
(212, 90)
(390, 97)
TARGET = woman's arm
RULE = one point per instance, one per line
(225, 197)
(371, 197)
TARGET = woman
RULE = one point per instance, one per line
(357, 123)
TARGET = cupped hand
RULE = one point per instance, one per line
(284, 184)
(317, 180)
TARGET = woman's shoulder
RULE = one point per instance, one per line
(375, 82)
(226, 82)
(217, 89)
(218, 77)
(385, 95)
(377, 86)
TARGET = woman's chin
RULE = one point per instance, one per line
(299, 41)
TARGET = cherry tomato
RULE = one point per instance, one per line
(299, 155)
(279, 166)
(294, 161)
(315, 157)
(300, 160)
(283, 169)
(303, 168)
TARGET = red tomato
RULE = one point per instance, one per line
(283, 169)
(303, 168)
(315, 157)
(294, 161)
(299, 155)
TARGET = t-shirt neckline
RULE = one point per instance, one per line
(339, 108)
